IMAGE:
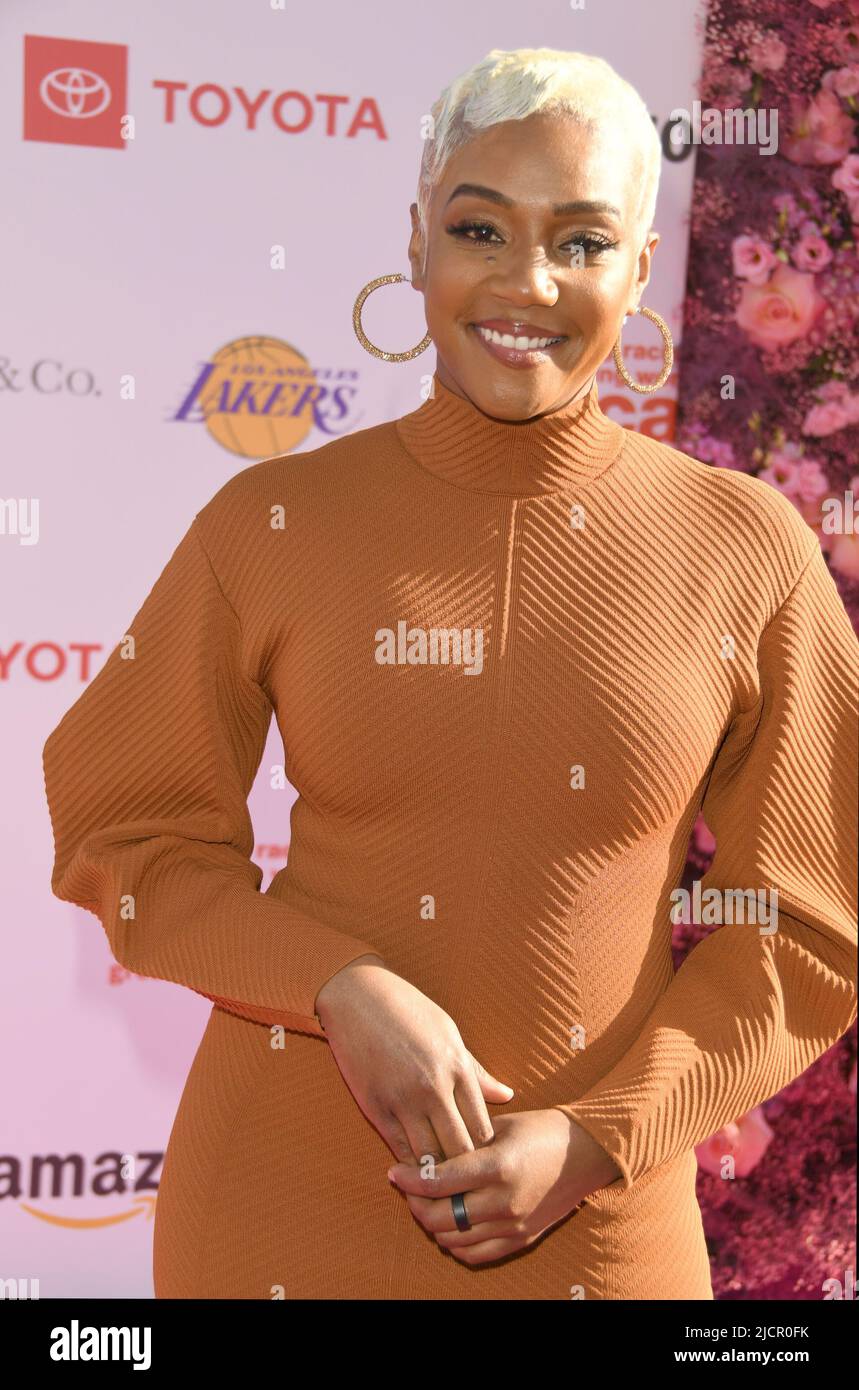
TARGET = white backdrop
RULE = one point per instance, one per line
(134, 268)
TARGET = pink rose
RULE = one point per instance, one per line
(820, 133)
(843, 81)
(782, 473)
(753, 259)
(838, 392)
(782, 310)
(745, 1140)
(811, 253)
(767, 54)
(825, 419)
(846, 176)
(810, 498)
(813, 482)
(833, 390)
(832, 128)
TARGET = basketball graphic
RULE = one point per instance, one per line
(257, 397)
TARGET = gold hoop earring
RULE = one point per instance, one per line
(361, 335)
(667, 354)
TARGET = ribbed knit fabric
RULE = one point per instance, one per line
(505, 828)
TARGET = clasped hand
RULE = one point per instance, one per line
(407, 1067)
(538, 1168)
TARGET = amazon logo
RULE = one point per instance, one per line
(38, 1184)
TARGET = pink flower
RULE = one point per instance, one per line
(825, 419)
(753, 259)
(767, 54)
(784, 202)
(813, 482)
(717, 451)
(833, 390)
(782, 310)
(822, 4)
(820, 133)
(745, 1140)
(705, 841)
(811, 253)
(722, 453)
(782, 473)
(843, 81)
(846, 176)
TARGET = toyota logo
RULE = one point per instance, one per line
(75, 92)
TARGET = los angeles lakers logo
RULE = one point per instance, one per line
(259, 396)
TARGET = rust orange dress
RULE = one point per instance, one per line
(510, 663)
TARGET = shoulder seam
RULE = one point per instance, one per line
(790, 592)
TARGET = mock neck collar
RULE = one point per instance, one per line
(558, 452)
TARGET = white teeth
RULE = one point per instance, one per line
(507, 340)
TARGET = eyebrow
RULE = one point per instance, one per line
(491, 195)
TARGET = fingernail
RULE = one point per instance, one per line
(392, 1175)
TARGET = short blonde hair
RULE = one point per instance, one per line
(510, 85)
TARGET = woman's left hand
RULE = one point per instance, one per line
(536, 1170)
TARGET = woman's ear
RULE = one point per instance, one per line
(416, 249)
(645, 259)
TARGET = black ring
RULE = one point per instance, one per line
(460, 1215)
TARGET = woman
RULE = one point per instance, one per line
(512, 650)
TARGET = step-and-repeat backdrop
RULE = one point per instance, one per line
(194, 193)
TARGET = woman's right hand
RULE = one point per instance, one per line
(405, 1063)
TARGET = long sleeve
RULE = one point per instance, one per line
(147, 778)
(748, 1011)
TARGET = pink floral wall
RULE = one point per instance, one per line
(769, 384)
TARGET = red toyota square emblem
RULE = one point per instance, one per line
(74, 91)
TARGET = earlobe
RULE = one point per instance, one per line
(416, 261)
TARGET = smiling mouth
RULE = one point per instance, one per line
(519, 351)
(521, 342)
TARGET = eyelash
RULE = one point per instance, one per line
(591, 243)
